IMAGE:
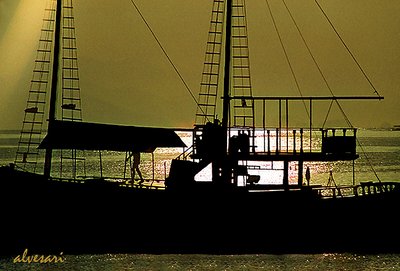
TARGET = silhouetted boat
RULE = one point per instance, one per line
(230, 213)
(396, 128)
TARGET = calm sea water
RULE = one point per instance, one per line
(380, 152)
(124, 262)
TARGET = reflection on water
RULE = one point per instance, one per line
(119, 262)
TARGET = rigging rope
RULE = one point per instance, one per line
(286, 56)
(327, 114)
(321, 73)
(366, 77)
(310, 53)
(368, 160)
(347, 48)
(166, 54)
(318, 67)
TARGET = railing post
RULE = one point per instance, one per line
(355, 191)
(294, 141)
(301, 140)
(286, 175)
(263, 117)
(287, 124)
(311, 117)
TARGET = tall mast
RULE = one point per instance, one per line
(54, 84)
(221, 165)
(227, 69)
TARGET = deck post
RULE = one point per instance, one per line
(277, 140)
(354, 173)
(300, 174)
(126, 159)
(301, 140)
(101, 165)
(311, 124)
(287, 124)
(286, 175)
(294, 141)
(153, 165)
(263, 117)
(279, 130)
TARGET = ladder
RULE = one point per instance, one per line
(243, 109)
(207, 102)
(70, 101)
(27, 155)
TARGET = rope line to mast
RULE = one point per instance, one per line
(347, 48)
(311, 55)
(368, 160)
(322, 74)
(327, 114)
(166, 54)
(286, 55)
(318, 67)
(366, 77)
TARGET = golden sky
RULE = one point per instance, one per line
(126, 79)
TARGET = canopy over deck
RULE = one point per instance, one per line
(95, 136)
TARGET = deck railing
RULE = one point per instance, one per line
(275, 111)
(363, 189)
(300, 140)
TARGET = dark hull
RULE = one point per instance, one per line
(54, 217)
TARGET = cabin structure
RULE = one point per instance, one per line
(243, 135)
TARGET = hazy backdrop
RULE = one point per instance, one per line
(126, 79)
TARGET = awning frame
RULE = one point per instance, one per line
(97, 136)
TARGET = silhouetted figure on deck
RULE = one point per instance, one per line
(331, 180)
(135, 167)
(244, 142)
(308, 176)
